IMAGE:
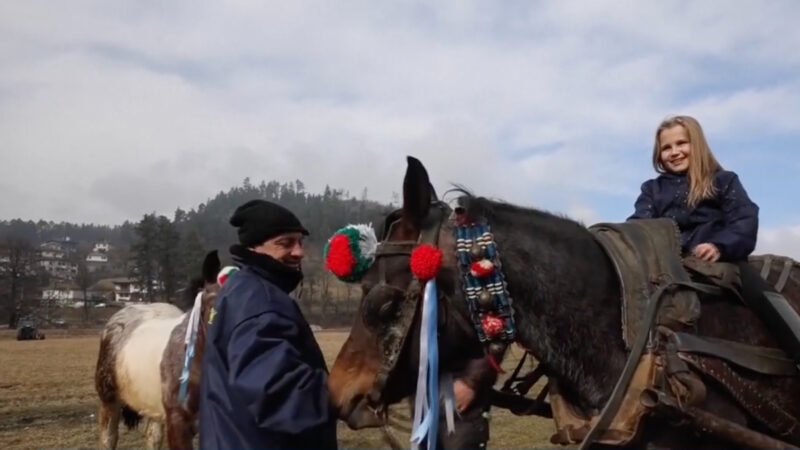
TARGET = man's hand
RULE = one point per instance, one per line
(707, 252)
(464, 395)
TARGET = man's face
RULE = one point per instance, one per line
(286, 248)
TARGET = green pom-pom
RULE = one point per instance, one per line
(349, 253)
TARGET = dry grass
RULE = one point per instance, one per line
(47, 399)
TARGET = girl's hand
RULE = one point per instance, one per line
(707, 252)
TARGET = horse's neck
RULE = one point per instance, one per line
(202, 328)
(567, 308)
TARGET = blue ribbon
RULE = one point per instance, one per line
(185, 373)
(191, 338)
(426, 408)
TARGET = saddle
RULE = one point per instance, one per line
(647, 254)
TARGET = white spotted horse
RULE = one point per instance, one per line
(140, 366)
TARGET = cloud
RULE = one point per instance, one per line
(107, 113)
(780, 241)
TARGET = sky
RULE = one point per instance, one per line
(110, 110)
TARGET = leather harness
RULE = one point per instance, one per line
(393, 336)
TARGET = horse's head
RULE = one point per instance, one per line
(207, 282)
(377, 365)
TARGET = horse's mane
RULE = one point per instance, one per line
(501, 213)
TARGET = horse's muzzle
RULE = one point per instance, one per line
(359, 414)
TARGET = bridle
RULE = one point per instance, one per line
(393, 337)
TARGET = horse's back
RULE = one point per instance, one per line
(727, 318)
(148, 329)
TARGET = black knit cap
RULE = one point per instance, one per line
(259, 220)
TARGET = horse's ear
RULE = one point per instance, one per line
(211, 267)
(418, 193)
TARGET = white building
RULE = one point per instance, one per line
(128, 290)
(62, 296)
(97, 257)
(54, 258)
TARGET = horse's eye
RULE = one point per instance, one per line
(387, 310)
(380, 305)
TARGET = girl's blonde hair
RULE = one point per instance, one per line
(702, 164)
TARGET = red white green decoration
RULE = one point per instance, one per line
(350, 252)
(226, 273)
(426, 260)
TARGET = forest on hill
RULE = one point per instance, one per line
(166, 251)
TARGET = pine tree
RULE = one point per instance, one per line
(145, 269)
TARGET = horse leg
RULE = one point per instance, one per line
(109, 425)
(154, 434)
(180, 431)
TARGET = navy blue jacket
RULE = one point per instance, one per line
(264, 379)
(728, 220)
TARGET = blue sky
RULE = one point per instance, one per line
(109, 111)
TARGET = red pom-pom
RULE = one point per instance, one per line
(340, 259)
(482, 268)
(492, 325)
(425, 262)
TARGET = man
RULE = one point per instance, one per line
(264, 379)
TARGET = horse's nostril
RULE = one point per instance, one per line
(358, 414)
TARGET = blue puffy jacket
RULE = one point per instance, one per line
(264, 379)
(728, 220)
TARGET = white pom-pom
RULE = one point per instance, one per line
(367, 241)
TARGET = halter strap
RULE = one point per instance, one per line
(394, 339)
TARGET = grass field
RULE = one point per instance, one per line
(47, 399)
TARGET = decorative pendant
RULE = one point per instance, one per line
(482, 268)
(492, 325)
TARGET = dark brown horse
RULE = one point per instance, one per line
(139, 365)
(181, 413)
(567, 307)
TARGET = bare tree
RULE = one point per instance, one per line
(324, 292)
(84, 280)
(19, 273)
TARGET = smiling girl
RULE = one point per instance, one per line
(717, 219)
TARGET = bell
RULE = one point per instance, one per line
(486, 299)
(476, 251)
(497, 349)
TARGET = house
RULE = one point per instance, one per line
(59, 268)
(96, 261)
(101, 247)
(54, 258)
(5, 262)
(58, 248)
(104, 289)
(69, 294)
(128, 290)
(65, 295)
(97, 258)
